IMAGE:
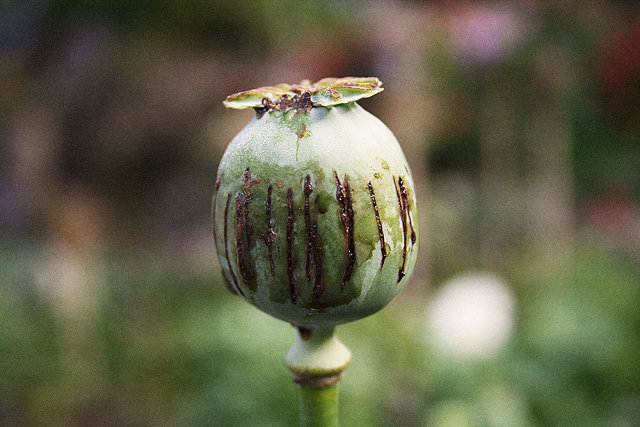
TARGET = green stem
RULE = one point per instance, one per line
(316, 361)
(318, 406)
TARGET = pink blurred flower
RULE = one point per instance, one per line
(484, 33)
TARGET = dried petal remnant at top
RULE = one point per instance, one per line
(286, 103)
(304, 96)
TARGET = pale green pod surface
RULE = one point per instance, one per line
(314, 210)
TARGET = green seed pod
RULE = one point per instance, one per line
(314, 208)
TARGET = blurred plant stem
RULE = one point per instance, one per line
(318, 406)
(316, 361)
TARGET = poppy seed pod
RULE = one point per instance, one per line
(314, 208)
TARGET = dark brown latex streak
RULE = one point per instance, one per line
(403, 217)
(269, 235)
(318, 286)
(247, 183)
(215, 200)
(292, 283)
(226, 249)
(215, 234)
(308, 188)
(244, 230)
(242, 237)
(383, 248)
(343, 195)
(314, 243)
(407, 208)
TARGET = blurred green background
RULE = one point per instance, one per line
(520, 120)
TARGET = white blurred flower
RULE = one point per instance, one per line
(471, 316)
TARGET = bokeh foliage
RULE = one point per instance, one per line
(520, 123)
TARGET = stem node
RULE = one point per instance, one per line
(316, 361)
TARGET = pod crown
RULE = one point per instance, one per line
(305, 95)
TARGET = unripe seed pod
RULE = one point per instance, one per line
(314, 208)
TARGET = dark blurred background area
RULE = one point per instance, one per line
(520, 121)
